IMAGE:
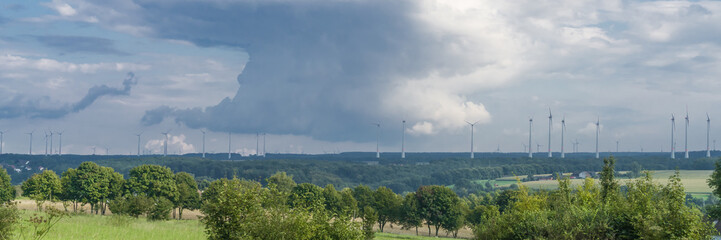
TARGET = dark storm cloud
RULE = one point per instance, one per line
(43, 107)
(75, 44)
(316, 67)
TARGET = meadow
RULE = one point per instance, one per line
(694, 181)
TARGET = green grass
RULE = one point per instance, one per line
(384, 236)
(694, 181)
(114, 227)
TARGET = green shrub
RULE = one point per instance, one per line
(160, 210)
(9, 217)
(133, 206)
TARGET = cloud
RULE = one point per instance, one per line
(176, 144)
(11, 62)
(317, 67)
(74, 44)
(45, 108)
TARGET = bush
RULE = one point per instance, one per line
(9, 217)
(133, 206)
(160, 209)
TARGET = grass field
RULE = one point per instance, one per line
(86, 226)
(693, 180)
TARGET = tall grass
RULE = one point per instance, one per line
(85, 226)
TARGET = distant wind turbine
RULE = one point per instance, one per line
(46, 143)
(530, 132)
(203, 131)
(60, 143)
(563, 130)
(550, 122)
(598, 130)
(263, 144)
(685, 133)
(472, 125)
(229, 134)
(708, 135)
(673, 143)
(30, 152)
(257, 144)
(378, 139)
(165, 145)
(51, 142)
(403, 141)
(1, 141)
(141, 133)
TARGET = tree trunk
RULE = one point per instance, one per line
(437, 229)
(180, 213)
(174, 213)
(429, 229)
(416, 230)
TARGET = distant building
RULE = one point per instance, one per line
(584, 175)
(371, 162)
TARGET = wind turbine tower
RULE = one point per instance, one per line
(563, 130)
(550, 122)
(378, 139)
(685, 133)
(472, 125)
(30, 152)
(51, 142)
(263, 144)
(229, 134)
(1, 141)
(165, 143)
(60, 143)
(46, 143)
(403, 141)
(708, 135)
(673, 143)
(530, 132)
(139, 142)
(203, 142)
(598, 130)
(257, 144)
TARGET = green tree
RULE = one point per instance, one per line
(409, 215)
(42, 187)
(333, 200)
(306, 195)
(609, 186)
(282, 181)
(348, 202)
(364, 196)
(188, 197)
(370, 216)
(386, 205)
(7, 192)
(153, 181)
(437, 205)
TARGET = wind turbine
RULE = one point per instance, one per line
(673, 143)
(46, 143)
(93, 150)
(530, 132)
(1, 141)
(141, 133)
(229, 134)
(203, 131)
(617, 146)
(263, 144)
(403, 141)
(51, 142)
(524, 147)
(708, 134)
(257, 144)
(378, 139)
(31, 141)
(598, 130)
(60, 143)
(550, 121)
(165, 145)
(472, 125)
(685, 133)
(563, 130)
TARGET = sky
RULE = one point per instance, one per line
(314, 75)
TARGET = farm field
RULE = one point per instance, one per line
(693, 180)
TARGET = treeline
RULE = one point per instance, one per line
(280, 208)
(352, 169)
